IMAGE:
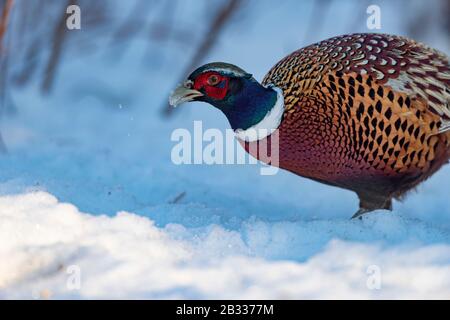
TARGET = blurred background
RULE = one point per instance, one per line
(176, 36)
(84, 113)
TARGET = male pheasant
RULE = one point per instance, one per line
(365, 112)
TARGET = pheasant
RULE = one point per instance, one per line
(365, 112)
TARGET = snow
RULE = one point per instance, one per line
(91, 205)
(128, 256)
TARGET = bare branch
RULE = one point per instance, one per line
(217, 25)
(3, 61)
(59, 38)
(4, 19)
(132, 24)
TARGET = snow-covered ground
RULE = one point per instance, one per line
(46, 242)
(91, 205)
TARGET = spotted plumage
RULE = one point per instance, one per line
(365, 112)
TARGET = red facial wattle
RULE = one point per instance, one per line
(217, 91)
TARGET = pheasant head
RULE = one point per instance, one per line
(243, 100)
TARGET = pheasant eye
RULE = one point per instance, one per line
(213, 80)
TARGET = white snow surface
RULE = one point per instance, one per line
(88, 185)
(127, 256)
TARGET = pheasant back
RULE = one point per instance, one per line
(366, 112)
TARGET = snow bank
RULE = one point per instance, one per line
(44, 244)
(98, 145)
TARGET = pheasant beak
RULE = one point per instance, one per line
(184, 93)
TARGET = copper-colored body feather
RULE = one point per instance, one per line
(365, 112)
